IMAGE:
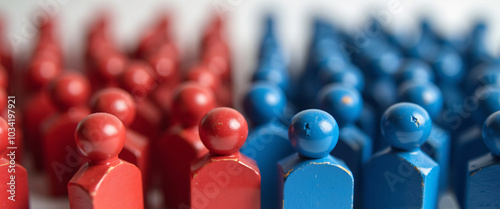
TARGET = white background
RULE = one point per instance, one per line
(244, 26)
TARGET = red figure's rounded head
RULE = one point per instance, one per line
(191, 102)
(117, 102)
(4, 141)
(110, 65)
(202, 75)
(138, 79)
(164, 66)
(42, 71)
(223, 131)
(69, 90)
(100, 137)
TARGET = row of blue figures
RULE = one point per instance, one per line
(309, 174)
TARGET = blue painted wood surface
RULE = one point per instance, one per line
(437, 146)
(312, 178)
(483, 184)
(267, 143)
(402, 176)
(354, 147)
(469, 145)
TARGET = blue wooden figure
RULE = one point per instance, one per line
(469, 144)
(414, 69)
(449, 70)
(267, 143)
(402, 176)
(312, 178)
(477, 52)
(368, 120)
(344, 73)
(276, 74)
(270, 48)
(428, 45)
(483, 184)
(437, 146)
(354, 147)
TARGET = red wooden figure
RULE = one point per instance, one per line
(38, 108)
(225, 178)
(180, 145)
(216, 55)
(105, 69)
(105, 181)
(165, 65)
(69, 93)
(153, 37)
(14, 188)
(139, 81)
(205, 77)
(120, 104)
(19, 137)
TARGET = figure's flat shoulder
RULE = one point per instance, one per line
(419, 160)
(483, 162)
(416, 159)
(294, 163)
(89, 178)
(207, 162)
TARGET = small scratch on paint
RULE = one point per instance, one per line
(472, 174)
(287, 174)
(415, 120)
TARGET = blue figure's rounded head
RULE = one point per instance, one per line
(313, 133)
(413, 69)
(488, 98)
(427, 95)
(484, 75)
(348, 75)
(273, 73)
(344, 103)
(386, 62)
(491, 133)
(448, 66)
(405, 125)
(263, 103)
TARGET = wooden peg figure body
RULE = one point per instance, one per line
(402, 176)
(437, 146)
(180, 145)
(225, 178)
(483, 185)
(138, 80)
(267, 142)
(105, 181)
(469, 144)
(14, 193)
(354, 147)
(136, 149)
(62, 160)
(312, 178)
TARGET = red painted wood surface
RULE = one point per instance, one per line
(37, 110)
(69, 93)
(225, 178)
(105, 182)
(181, 145)
(13, 175)
(121, 104)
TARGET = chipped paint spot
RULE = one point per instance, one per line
(415, 120)
(347, 99)
(287, 174)
(307, 129)
(472, 174)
